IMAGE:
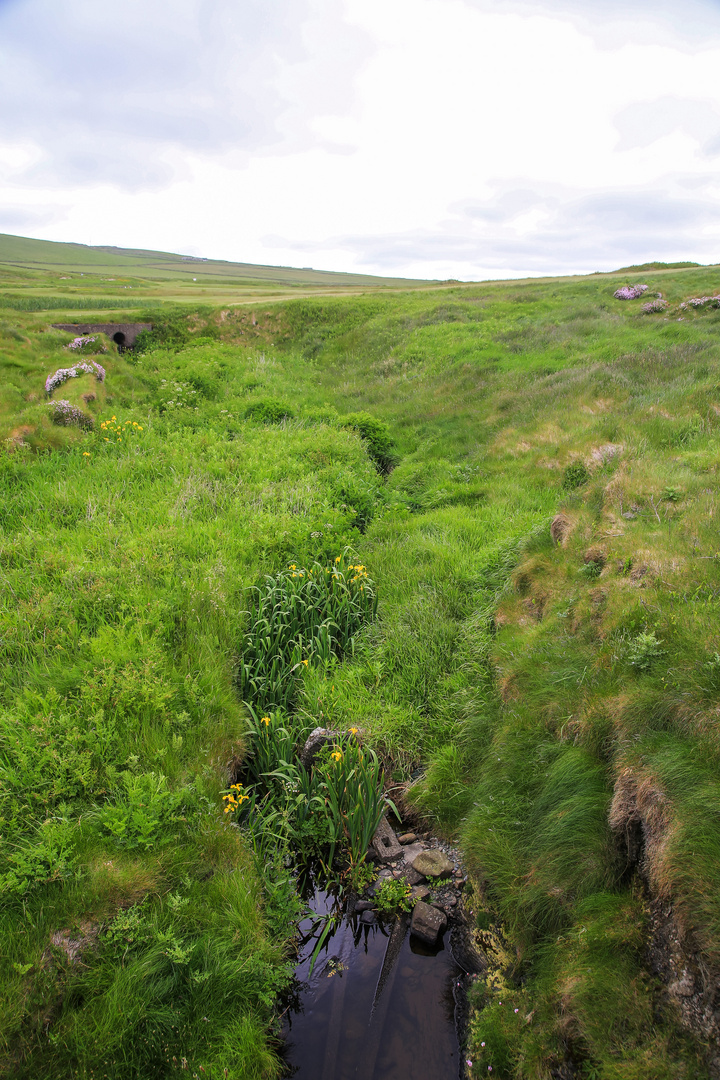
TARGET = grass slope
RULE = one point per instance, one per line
(560, 686)
(24, 253)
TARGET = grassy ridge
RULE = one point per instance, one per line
(560, 686)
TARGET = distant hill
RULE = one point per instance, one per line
(24, 253)
(655, 266)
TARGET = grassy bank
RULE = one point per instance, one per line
(558, 686)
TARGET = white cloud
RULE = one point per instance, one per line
(433, 137)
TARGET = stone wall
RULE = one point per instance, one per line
(123, 334)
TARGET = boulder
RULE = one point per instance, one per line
(419, 892)
(411, 851)
(427, 922)
(411, 875)
(407, 838)
(314, 743)
(433, 863)
(384, 843)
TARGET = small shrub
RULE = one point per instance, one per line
(268, 411)
(376, 435)
(394, 895)
(575, 475)
(630, 292)
(699, 302)
(142, 816)
(67, 415)
(591, 569)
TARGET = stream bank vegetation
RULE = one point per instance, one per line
(527, 473)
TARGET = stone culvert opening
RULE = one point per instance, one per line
(123, 334)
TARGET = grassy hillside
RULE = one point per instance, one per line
(22, 257)
(545, 557)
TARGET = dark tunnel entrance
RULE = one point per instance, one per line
(119, 339)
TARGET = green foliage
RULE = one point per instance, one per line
(144, 814)
(268, 411)
(575, 475)
(376, 434)
(394, 895)
(297, 617)
(352, 777)
(644, 650)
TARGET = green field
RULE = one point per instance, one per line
(50, 272)
(536, 505)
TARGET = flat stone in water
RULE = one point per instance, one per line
(427, 922)
(433, 864)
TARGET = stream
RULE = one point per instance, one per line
(378, 1004)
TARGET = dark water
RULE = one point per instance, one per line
(378, 1005)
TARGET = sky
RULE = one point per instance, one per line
(463, 139)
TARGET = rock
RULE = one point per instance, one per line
(367, 918)
(363, 905)
(433, 864)
(314, 743)
(407, 838)
(384, 843)
(684, 987)
(427, 922)
(411, 851)
(411, 876)
(419, 892)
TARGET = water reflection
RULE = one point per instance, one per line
(378, 1005)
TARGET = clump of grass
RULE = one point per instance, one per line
(268, 411)
(299, 616)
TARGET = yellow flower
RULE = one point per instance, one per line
(139, 427)
(106, 439)
(337, 560)
(85, 453)
(305, 662)
(353, 731)
(266, 721)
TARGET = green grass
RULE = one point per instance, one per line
(548, 689)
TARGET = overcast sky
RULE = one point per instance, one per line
(428, 138)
